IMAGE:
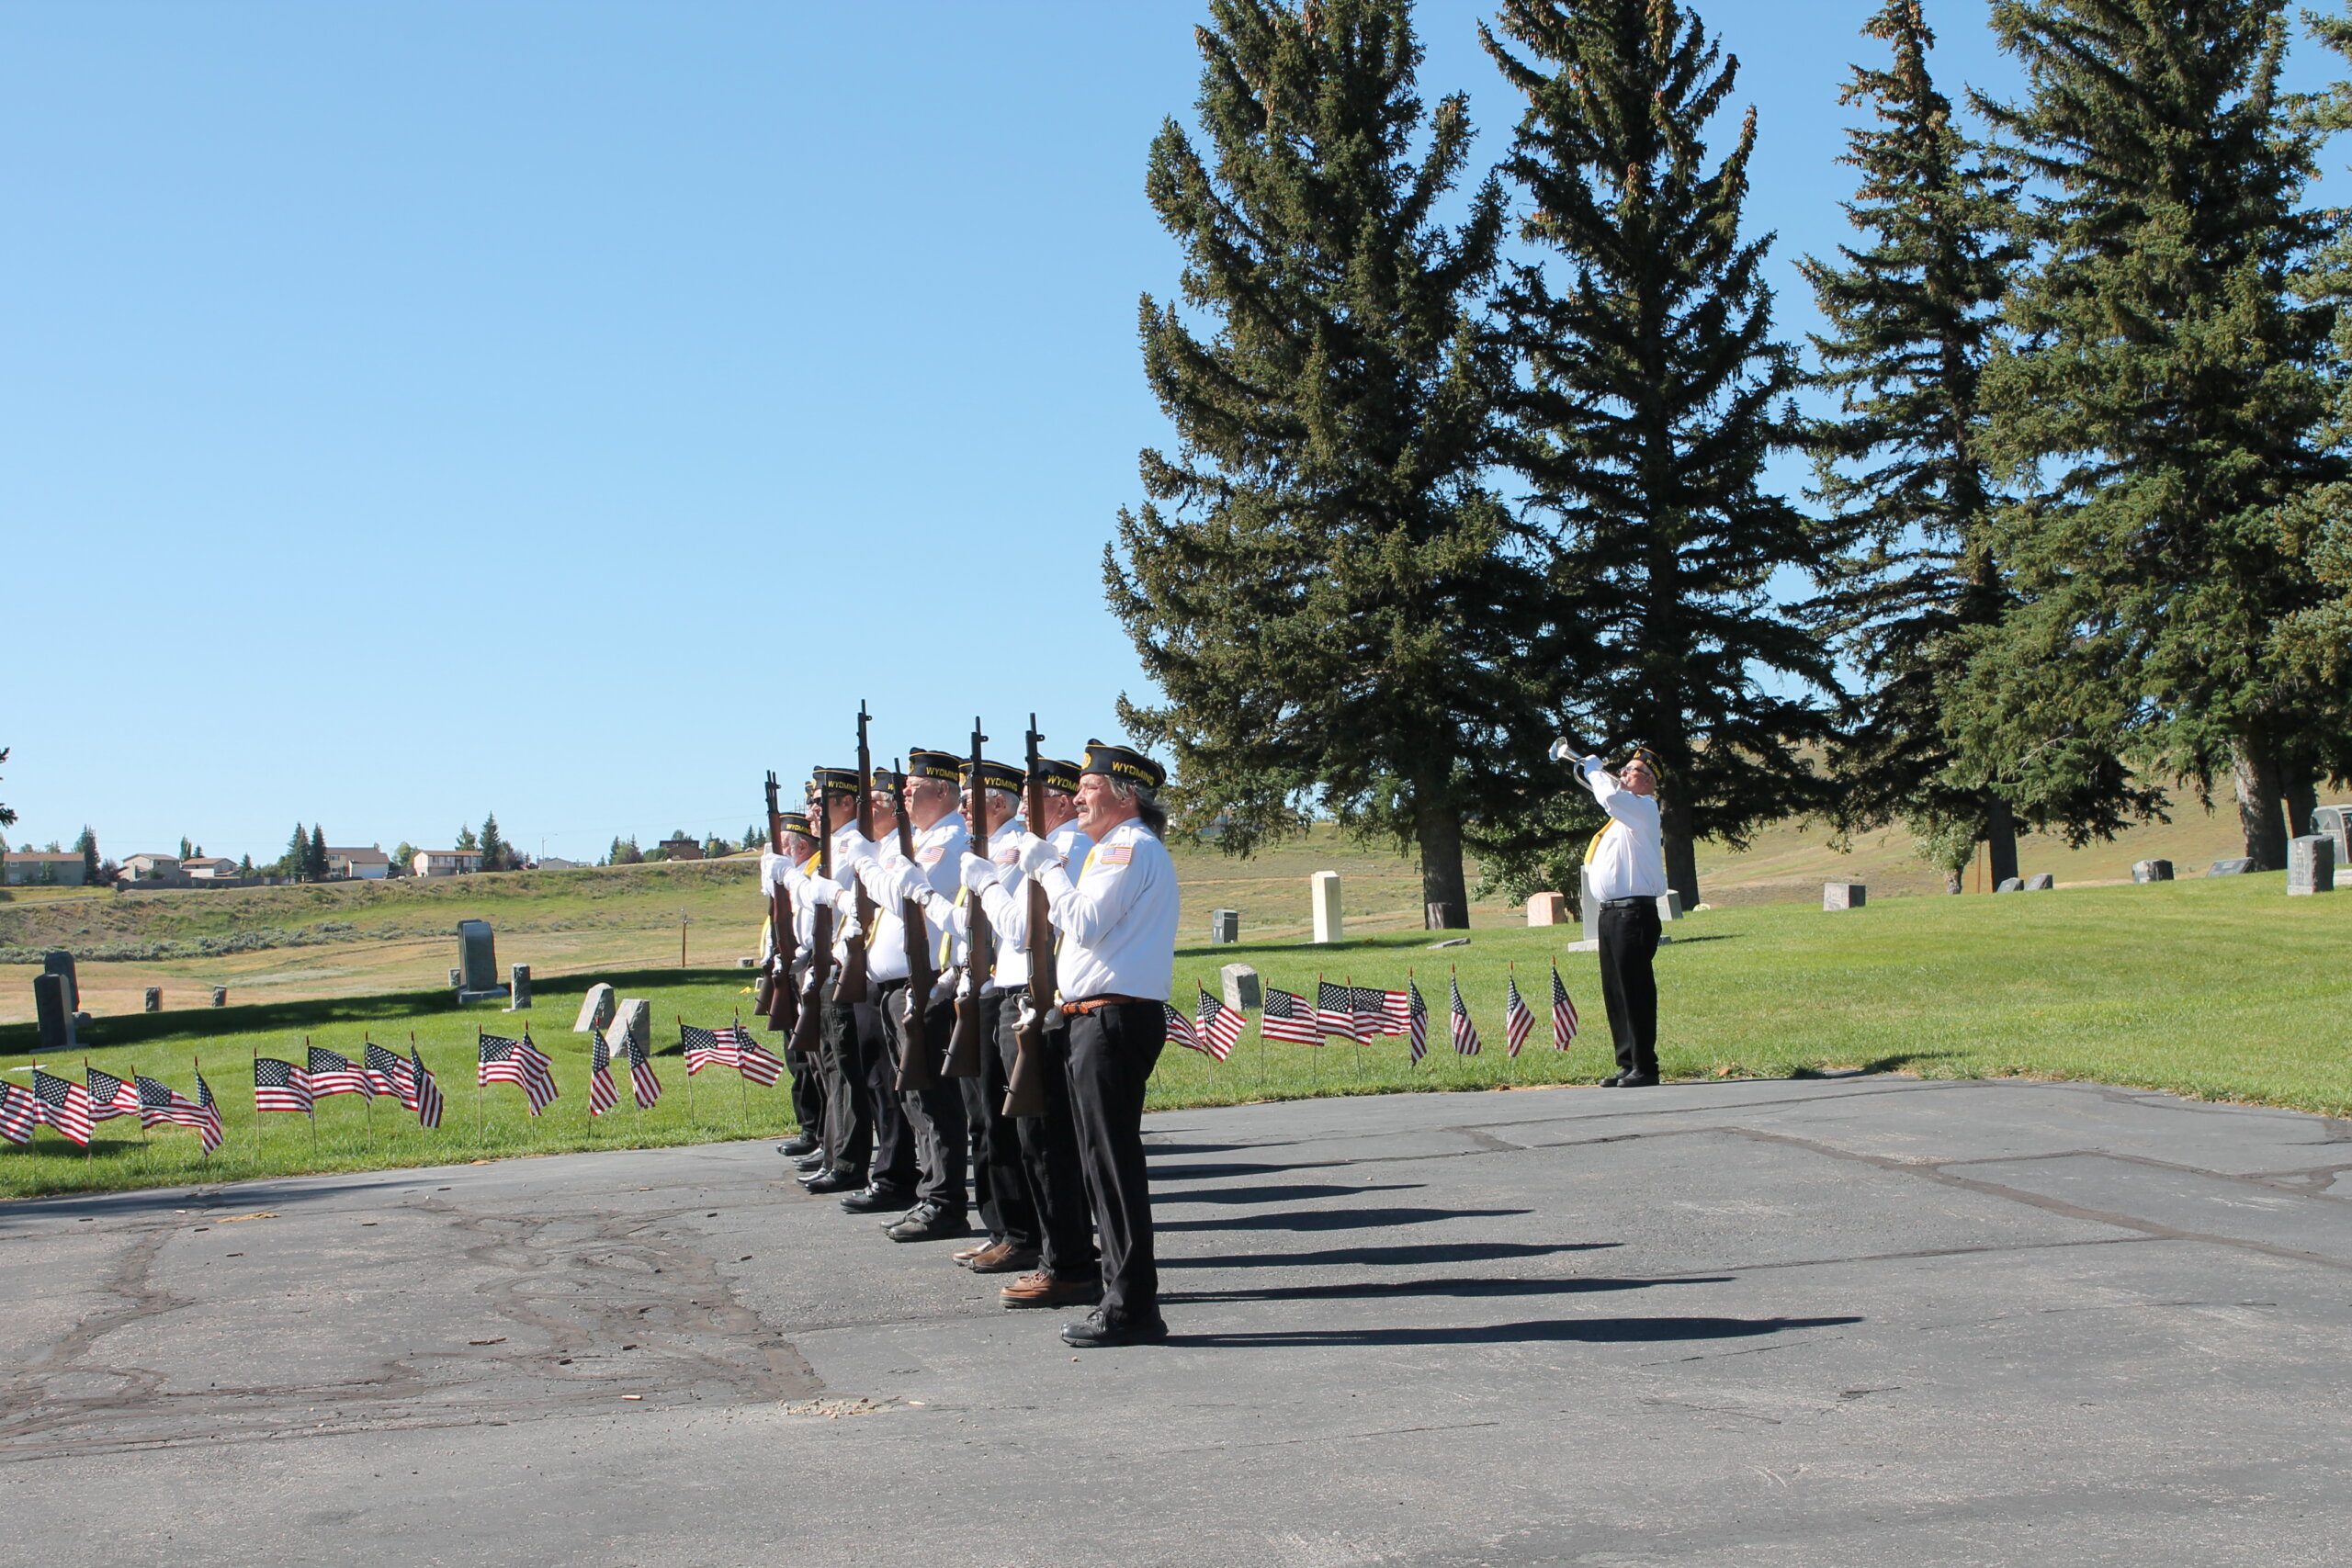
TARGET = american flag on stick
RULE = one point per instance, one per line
(390, 1075)
(644, 1088)
(1180, 1028)
(19, 1113)
(280, 1086)
(1335, 1010)
(1465, 1034)
(159, 1103)
(208, 1114)
(1518, 1022)
(1286, 1016)
(498, 1059)
(109, 1096)
(1563, 1012)
(1218, 1026)
(1417, 1020)
(1370, 1005)
(704, 1048)
(331, 1072)
(427, 1092)
(63, 1104)
(602, 1096)
(753, 1060)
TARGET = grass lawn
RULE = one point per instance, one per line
(2216, 989)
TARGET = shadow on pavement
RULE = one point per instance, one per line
(1336, 1220)
(1296, 1191)
(1379, 1257)
(1590, 1331)
(1469, 1289)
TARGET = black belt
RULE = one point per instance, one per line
(1627, 903)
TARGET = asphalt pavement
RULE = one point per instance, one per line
(1833, 1321)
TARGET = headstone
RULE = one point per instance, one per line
(455, 976)
(1225, 925)
(2335, 821)
(1843, 895)
(2040, 882)
(633, 1021)
(2011, 885)
(219, 995)
(747, 964)
(1590, 907)
(1670, 905)
(595, 1009)
(2230, 867)
(56, 1017)
(1548, 909)
(155, 999)
(1324, 889)
(60, 961)
(1444, 915)
(518, 993)
(2152, 871)
(477, 957)
(2311, 864)
(1241, 986)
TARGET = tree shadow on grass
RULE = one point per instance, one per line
(1401, 1255)
(1583, 1331)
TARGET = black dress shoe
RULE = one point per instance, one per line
(835, 1182)
(1614, 1080)
(928, 1221)
(1096, 1330)
(797, 1147)
(810, 1163)
(878, 1200)
(1638, 1080)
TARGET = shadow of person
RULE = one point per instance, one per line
(1336, 1219)
(1293, 1192)
(1586, 1331)
(1401, 1255)
(1467, 1290)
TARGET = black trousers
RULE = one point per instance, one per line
(934, 1115)
(893, 1141)
(848, 1107)
(1050, 1174)
(1111, 1052)
(1629, 985)
(808, 1092)
(999, 1188)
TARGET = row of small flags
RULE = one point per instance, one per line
(75, 1108)
(1362, 1014)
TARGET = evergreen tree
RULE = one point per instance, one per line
(496, 853)
(318, 854)
(186, 849)
(88, 845)
(246, 866)
(1655, 394)
(466, 839)
(2157, 401)
(1334, 603)
(7, 816)
(296, 861)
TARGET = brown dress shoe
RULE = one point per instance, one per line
(1003, 1257)
(1039, 1289)
(965, 1254)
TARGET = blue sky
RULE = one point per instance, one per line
(572, 411)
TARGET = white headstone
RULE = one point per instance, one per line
(1241, 986)
(634, 1021)
(595, 1008)
(2311, 864)
(1548, 909)
(1670, 905)
(1842, 895)
(1324, 887)
(1591, 942)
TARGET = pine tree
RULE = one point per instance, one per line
(296, 861)
(7, 816)
(496, 855)
(2158, 398)
(318, 854)
(466, 839)
(1334, 603)
(1657, 394)
(88, 846)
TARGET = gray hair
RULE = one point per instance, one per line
(1147, 803)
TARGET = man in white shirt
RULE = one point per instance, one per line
(1625, 873)
(1117, 918)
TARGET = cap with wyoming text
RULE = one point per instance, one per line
(1124, 764)
(1637, 752)
(993, 775)
(925, 763)
(1058, 776)
(885, 779)
(834, 781)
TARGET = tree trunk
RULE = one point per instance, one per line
(2300, 793)
(2255, 774)
(2000, 840)
(1445, 898)
(1681, 851)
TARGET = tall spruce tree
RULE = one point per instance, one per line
(317, 859)
(87, 844)
(496, 853)
(1327, 594)
(295, 864)
(2157, 401)
(1655, 394)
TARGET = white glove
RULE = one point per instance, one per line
(849, 930)
(853, 848)
(772, 866)
(1036, 854)
(978, 873)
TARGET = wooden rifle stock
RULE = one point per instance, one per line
(808, 1029)
(783, 1008)
(917, 1071)
(1024, 1090)
(970, 1035)
(854, 984)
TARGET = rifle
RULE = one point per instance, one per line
(1024, 1090)
(916, 1070)
(783, 1000)
(970, 1037)
(808, 1028)
(852, 986)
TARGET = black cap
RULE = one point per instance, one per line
(834, 781)
(924, 763)
(1124, 764)
(993, 775)
(885, 779)
(1056, 775)
(1637, 752)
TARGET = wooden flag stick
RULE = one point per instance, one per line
(1315, 1052)
(1349, 981)
(142, 1112)
(741, 1082)
(91, 1148)
(479, 1132)
(690, 1074)
(203, 1154)
(314, 1097)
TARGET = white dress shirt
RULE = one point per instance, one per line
(1007, 898)
(1628, 860)
(1118, 919)
(889, 879)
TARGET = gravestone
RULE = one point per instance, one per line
(747, 964)
(2011, 885)
(595, 1009)
(2152, 871)
(2335, 821)
(60, 961)
(2311, 864)
(1548, 909)
(1225, 925)
(2238, 867)
(1590, 907)
(476, 962)
(518, 990)
(1670, 905)
(155, 999)
(1444, 915)
(1843, 895)
(56, 1017)
(1241, 986)
(633, 1021)
(455, 975)
(2040, 882)
(219, 995)
(1324, 889)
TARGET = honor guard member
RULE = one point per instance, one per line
(999, 1186)
(1625, 873)
(890, 1185)
(808, 1078)
(936, 1113)
(1117, 918)
(1067, 1272)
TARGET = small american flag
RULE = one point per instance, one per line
(1563, 1012)
(160, 1103)
(332, 1073)
(1335, 1010)
(280, 1086)
(427, 1092)
(1465, 1034)
(19, 1113)
(109, 1096)
(64, 1105)
(705, 1049)
(602, 1096)
(755, 1061)
(498, 1059)
(1180, 1028)
(1518, 1022)
(1394, 1009)
(386, 1074)
(1417, 1020)
(1219, 1026)
(208, 1114)
(1367, 1002)
(643, 1086)
(1288, 1017)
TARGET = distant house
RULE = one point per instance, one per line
(557, 863)
(682, 849)
(365, 865)
(210, 868)
(445, 862)
(34, 868)
(163, 871)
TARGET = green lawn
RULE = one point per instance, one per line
(2218, 989)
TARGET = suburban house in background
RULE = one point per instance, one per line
(445, 862)
(557, 863)
(370, 865)
(210, 868)
(45, 868)
(164, 871)
(682, 849)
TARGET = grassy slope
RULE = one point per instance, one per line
(2219, 989)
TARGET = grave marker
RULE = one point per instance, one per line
(1324, 889)
(1548, 909)
(595, 1009)
(2310, 865)
(1843, 895)
(1242, 988)
(2152, 871)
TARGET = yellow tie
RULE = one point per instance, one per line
(1593, 847)
(947, 931)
